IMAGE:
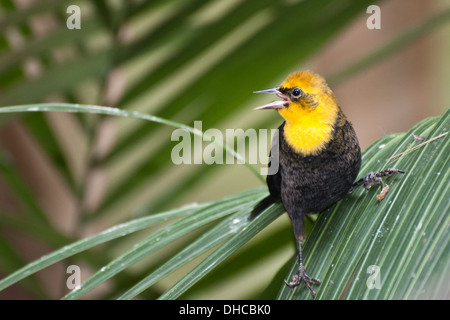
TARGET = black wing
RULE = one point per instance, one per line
(274, 180)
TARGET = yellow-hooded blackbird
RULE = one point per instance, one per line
(318, 152)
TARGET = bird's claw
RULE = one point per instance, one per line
(300, 277)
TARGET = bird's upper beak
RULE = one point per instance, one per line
(279, 104)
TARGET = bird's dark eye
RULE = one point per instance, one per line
(296, 92)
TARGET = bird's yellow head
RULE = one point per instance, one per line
(310, 109)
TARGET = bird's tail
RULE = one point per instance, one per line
(263, 205)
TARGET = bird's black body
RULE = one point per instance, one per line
(309, 184)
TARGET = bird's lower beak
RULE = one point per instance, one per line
(279, 104)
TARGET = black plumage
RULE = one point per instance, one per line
(310, 184)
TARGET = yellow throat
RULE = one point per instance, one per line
(310, 119)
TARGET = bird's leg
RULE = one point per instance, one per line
(374, 178)
(301, 275)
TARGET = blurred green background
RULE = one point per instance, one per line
(185, 61)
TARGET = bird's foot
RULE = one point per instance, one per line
(375, 178)
(300, 277)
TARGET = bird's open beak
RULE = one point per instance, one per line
(279, 104)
